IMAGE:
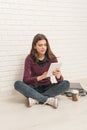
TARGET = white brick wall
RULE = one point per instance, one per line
(64, 22)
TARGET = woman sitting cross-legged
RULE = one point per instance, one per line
(36, 86)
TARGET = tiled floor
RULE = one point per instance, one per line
(15, 115)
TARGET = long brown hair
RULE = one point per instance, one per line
(33, 52)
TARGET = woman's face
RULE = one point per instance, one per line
(41, 47)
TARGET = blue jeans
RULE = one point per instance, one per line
(42, 93)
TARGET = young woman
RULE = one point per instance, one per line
(36, 86)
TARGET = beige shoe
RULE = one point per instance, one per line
(31, 102)
(52, 101)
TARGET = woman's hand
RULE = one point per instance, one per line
(43, 76)
(57, 73)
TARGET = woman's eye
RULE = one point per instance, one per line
(40, 45)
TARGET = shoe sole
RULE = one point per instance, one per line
(29, 102)
(56, 103)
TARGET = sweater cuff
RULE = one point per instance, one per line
(61, 79)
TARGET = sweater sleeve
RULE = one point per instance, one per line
(27, 78)
(61, 79)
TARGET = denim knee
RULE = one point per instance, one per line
(17, 84)
(67, 84)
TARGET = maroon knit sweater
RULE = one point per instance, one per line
(33, 69)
